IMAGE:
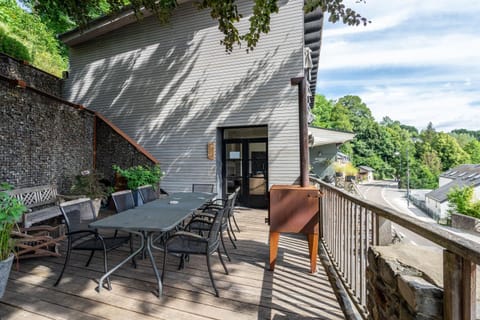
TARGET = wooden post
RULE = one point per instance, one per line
(274, 237)
(459, 285)
(303, 124)
(383, 231)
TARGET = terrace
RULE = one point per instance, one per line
(250, 291)
(349, 227)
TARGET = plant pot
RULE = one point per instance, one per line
(137, 198)
(97, 203)
(349, 178)
(5, 267)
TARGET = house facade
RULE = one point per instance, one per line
(324, 144)
(464, 175)
(208, 116)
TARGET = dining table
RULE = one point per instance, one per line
(156, 217)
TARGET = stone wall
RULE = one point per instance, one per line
(404, 282)
(112, 149)
(36, 78)
(42, 140)
(45, 140)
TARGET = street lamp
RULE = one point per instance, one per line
(408, 180)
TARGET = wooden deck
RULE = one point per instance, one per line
(250, 291)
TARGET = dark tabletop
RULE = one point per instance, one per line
(160, 215)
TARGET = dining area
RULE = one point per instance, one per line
(149, 277)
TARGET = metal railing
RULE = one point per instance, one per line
(350, 225)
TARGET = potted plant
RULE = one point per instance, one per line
(11, 210)
(88, 184)
(350, 172)
(138, 176)
(339, 169)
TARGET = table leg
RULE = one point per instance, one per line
(274, 237)
(154, 266)
(131, 256)
(313, 249)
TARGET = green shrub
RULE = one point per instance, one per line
(11, 210)
(140, 175)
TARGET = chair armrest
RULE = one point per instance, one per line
(186, 234)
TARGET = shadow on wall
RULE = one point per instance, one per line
(183, 86)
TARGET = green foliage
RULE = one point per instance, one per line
(384, 146)
(13, 47)
(11, 211)
(461, 201)
(19, 26)
(449, 151)
(473, 149)
(138, 176)
(88, 183)
(58, 14)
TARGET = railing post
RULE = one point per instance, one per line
(383, 232)
(459, 287)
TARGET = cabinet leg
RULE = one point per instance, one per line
(274, 237)
(313, 250)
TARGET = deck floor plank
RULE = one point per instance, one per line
(250, 291)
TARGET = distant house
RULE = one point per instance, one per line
(462, 176)
(208, 116)
(324, 144)
(365, 173)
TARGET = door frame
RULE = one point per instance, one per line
(245, 194)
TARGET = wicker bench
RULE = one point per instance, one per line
(38, 240)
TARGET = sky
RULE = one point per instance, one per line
(416, 62)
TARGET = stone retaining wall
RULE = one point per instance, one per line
(15, 69)
(397, 289)
(42, 140)
(45, 140)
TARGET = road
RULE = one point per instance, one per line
(386, 193)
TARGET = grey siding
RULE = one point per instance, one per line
(170, 87)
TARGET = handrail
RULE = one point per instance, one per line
(350, 226)
(463, 247)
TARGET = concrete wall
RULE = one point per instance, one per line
(171, 87)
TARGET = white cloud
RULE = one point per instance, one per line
(417, 62)
(446, 107)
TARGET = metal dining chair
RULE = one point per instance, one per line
(202, 187)
(147, 193)
(188, 243)
(78, 214)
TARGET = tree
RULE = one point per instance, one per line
(226, 12)
(449, 151)
(322, 111)
(473, 149)
(461, 201)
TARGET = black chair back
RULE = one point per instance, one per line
(147, 193)
(202, 187)
(78, 214)
(123, 200)
(214, 233)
